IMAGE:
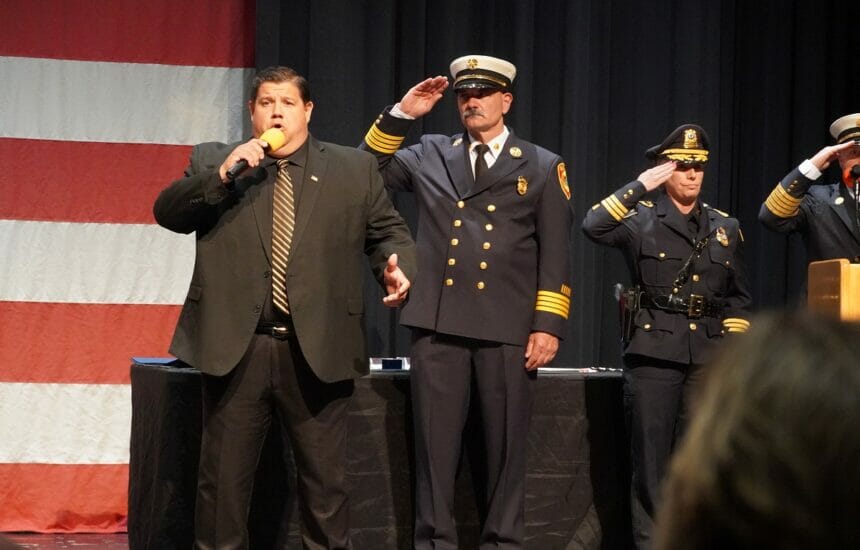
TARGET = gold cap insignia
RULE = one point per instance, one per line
(691, 140)
(522, 185)
(722, 238)
(839, 200)
(472, 63)
(562, 180)
(515, 152)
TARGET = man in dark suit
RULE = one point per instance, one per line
(493, 290)
(274, 313)
(826, 216)
(691, 290)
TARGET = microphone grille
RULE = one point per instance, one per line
(275, 138)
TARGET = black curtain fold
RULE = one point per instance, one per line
(598, 82)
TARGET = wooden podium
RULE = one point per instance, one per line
(834, 289)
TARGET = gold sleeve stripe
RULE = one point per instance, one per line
(781, 204)
(553, 302)
(781, 198)
(382, 142)
(614, 207)
(736, 324)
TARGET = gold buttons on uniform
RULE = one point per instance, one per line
(491, 208)
(728, 262)
(696, 278)
(461, 204)
(480, 285)
(647, 326)
(455, 242)
(488, 227)
(458, 223)
(662, 254)
(452, 261)
(487, 246)
(449, 282)
(693, 326)
(483, 265)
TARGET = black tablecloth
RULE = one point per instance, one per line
(576, 490)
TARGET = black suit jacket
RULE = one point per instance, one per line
(343, 214)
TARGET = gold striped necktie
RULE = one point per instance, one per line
(283, 222)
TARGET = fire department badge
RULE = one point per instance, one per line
(722, 238)
(515, 152)
(522, 185)
(562, 180)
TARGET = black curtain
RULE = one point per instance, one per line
(598, 82)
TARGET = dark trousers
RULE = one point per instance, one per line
(441, 375)
(658, 396)
(272, 380)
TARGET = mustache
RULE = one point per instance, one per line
(473, 111)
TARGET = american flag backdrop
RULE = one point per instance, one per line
(100, 103)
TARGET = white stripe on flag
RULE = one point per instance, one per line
(65, 423)
(93, 263)
(121, 102)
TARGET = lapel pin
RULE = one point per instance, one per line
(516, 152)
(314, 178)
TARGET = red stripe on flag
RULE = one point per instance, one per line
(80, 343)
(61, 498)
(84, 181)
(191, 32)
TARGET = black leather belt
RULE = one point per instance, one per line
(693, 307)
(279, 330)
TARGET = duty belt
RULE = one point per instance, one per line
(693, 307)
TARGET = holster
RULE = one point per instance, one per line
(629, 303)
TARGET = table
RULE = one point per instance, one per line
(576, 489)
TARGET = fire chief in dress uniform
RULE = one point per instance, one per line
(824, 215)
(492, 294)
(690, 291)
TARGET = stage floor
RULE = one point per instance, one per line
(78, 541)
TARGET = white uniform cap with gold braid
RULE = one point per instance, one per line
(482, 71)
(846, 128)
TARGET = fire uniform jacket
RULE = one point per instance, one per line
(822, 214)
(493, 257)
(656, 242)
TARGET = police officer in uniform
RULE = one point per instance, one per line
(492, 294)
(690, 291)
(825, 215)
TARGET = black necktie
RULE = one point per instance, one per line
(481, 162)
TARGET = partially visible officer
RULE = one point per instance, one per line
(826, 216)
(492, 294)
(690, 290)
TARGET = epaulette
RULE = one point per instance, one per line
(647, 204)
(717, 210)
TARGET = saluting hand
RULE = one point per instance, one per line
(823, 158)
(421, 98)
(540, 350)
(396, 283)
(656, 176)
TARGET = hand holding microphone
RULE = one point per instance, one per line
(250, 154)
